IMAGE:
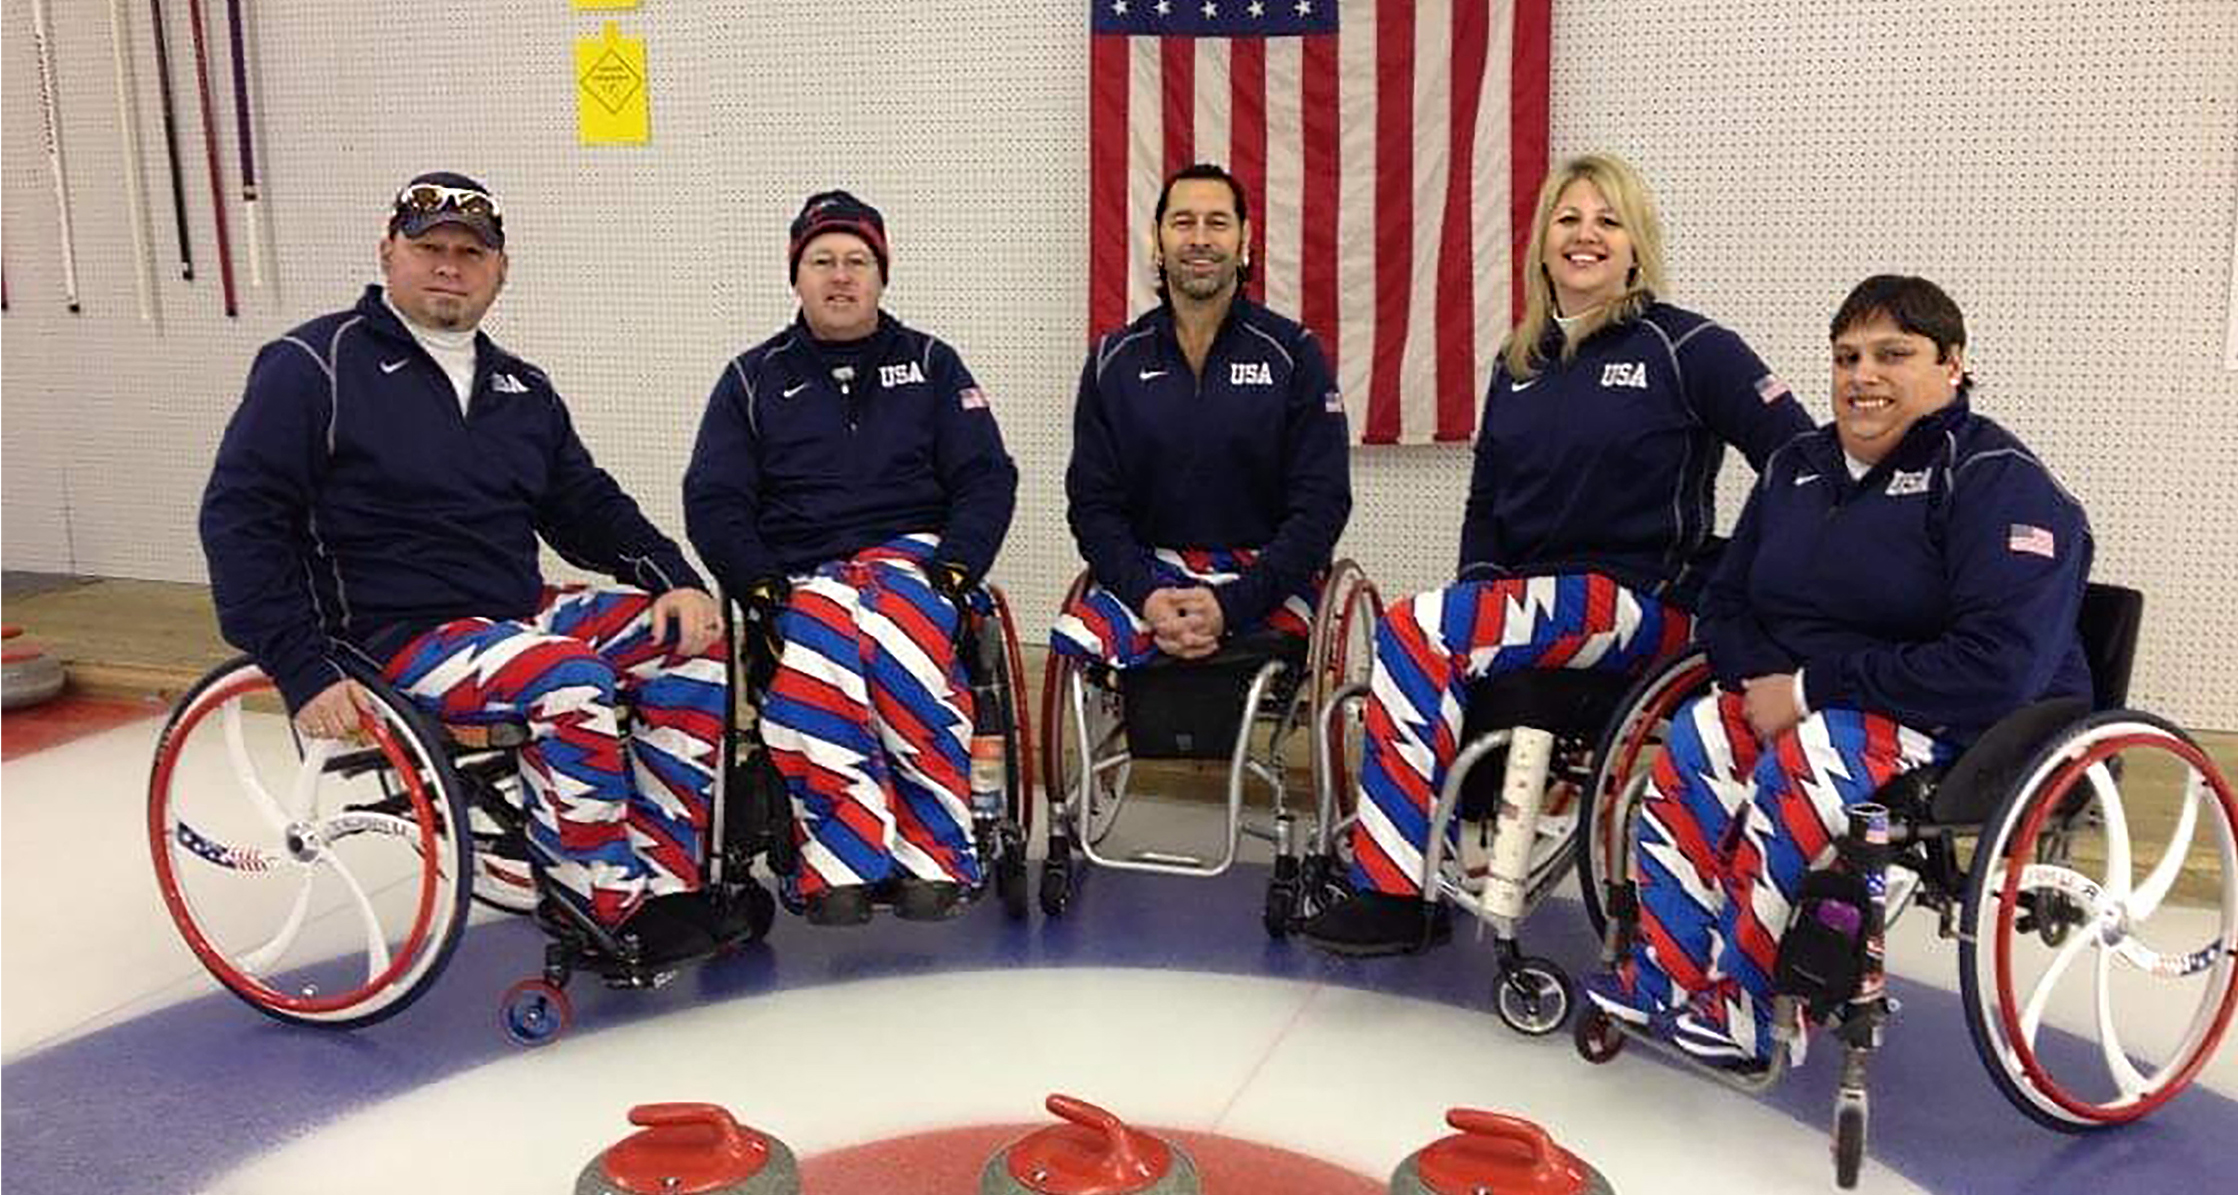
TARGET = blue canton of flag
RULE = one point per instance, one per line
(1215, 18)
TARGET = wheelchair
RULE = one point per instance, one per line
(327, 883)
(1241, 706)
(2026, 847)
(1001, 779)
(1531, 745)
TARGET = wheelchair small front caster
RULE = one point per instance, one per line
(534, 1013)
(1849, 1140)
(1532, 996)
(1282, 908)
(1596, 1036)
(1010, 880)
(1056, 888)
(761, 911)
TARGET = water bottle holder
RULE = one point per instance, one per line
(1822, 956)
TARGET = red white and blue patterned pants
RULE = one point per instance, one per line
(1726, 835)
(1098, 626)
(869, 718)
(1430, 646)
(613, 820)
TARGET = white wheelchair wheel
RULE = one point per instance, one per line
(307, 886)
(2094, 891)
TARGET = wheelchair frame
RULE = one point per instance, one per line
(444, 800)
(1526, 859)
(1087, 762)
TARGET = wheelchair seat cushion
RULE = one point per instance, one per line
(1193, 709)
(1970, 790)
(1254, 649)
(1563, 701)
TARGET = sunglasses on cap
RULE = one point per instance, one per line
(434, 197)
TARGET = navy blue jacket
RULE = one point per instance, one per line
(353, 506)
(1608, 462)
(1251, 455)
(789, 473)
(1941, 588)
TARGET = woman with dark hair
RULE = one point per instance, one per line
(1587, 534)
(1899, 581)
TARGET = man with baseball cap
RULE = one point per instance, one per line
(378, 498)
(849, 486)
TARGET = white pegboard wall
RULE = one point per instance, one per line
(2064, 167)
(2015, 151)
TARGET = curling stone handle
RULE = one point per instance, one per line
(675, 1121)
(1506, 1128)
(1087, 1115)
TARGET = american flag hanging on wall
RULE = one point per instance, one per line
(1391, 151)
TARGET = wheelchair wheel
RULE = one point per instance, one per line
(1004, 659)
(761, 913)
(1849, 1143)
(1627, 751)
(1108, 763)
(1056, 889)
(322, 883)
(1010, 879)
(534, 1012)
(1279, 912)
(1341, 652)
(2125, 819)
(1595, 1035)
(1532, 997)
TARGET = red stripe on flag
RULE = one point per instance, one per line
(1456, 314)
(1178, 73)
(1528, 80)
(1493, 175)
(1394, 215)
(1107, 182)
(1317, 249)
(1247, 142)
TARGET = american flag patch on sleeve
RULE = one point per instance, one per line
(1771, 389)
(972, 398)
(2034, 540)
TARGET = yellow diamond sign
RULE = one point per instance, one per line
(610, 90)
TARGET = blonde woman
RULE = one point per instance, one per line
(1588, 529)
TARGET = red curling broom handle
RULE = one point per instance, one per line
(210, 151)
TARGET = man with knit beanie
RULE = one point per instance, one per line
(850, 486)
(378, 498)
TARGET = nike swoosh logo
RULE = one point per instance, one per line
(1148, 374)
(1525, 384)
(393, 366)
(792, 390)
(1805, 478)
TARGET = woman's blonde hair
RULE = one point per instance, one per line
(1625, 191)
